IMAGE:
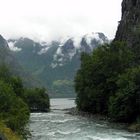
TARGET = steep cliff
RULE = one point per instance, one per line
(129, 26)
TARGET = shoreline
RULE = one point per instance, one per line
(75, 112)
(133, 127)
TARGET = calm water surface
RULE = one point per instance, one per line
(57, 125)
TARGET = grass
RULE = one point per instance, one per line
(8, 133)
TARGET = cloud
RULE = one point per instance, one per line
(13, 47)
(46, 20)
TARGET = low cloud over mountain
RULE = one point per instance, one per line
(55, 63)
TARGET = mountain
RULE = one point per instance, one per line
(7, 58)
(55, 63)
(129, 26)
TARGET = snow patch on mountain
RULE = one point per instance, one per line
(12, 47)
(43, 50)
(63, 51)
(71, 47)
(77, 41)
(53, 65)
(59, 52)
(90, 37)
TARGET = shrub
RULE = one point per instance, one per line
(14, 111)
(125, 105)
(96, 79)
(37, 99)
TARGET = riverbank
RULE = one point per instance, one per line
(134, 127)
(7, 134)
(75, 112)
(60, 124)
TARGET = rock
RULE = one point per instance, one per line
(76, 112)
(134, 128)
(129, 26)
(2, 137)
(3, 43)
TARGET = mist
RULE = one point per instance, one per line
(47, 20)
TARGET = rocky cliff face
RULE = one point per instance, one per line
(129, 26)
(3, 43)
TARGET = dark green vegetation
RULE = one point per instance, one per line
(125, 104)
(17, 101)
(14, 111)
(37, 99)
(108, 82)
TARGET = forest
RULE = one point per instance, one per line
(108, 82)
(16, 103)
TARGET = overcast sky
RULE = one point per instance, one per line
(55, 19)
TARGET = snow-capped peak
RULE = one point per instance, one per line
(62, 51)
(70, 47)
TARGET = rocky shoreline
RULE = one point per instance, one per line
(75, 112)
(97, 117)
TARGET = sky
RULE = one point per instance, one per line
(47, 20)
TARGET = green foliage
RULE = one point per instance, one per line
(125, 105)
(14, 81)
(96, 80)
(14, 111)
(17, 85)
(37, 99)
(16, 102)
(7, 133)
(4, 73)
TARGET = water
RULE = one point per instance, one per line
(57, 125)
